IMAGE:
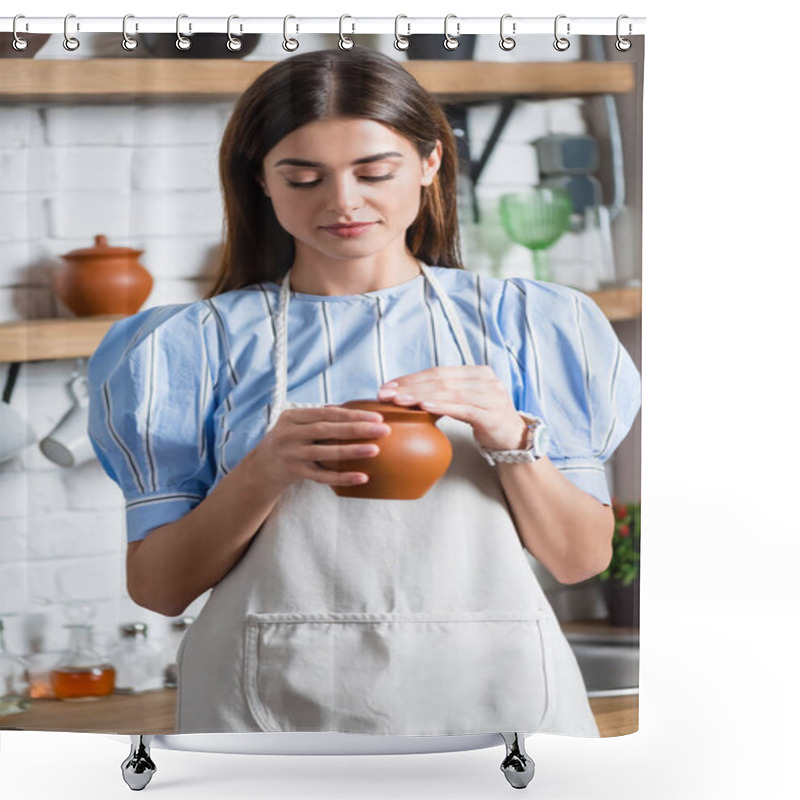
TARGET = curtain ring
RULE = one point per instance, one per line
(182, 42)
(345, 43)
(70, 42)
(233, 44)
(623, 45)
(561, 43)
(18, 43)
(506, 42)
(400, 42)
(128, 42)
(451, 42)
(290, 45)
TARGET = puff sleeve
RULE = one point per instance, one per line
(151, 413)
(569, 368)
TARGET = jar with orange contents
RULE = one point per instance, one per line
(81, 672)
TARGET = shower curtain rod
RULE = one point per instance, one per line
(456, 26)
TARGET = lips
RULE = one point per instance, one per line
(349, 229)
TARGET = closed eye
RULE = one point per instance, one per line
(310, 184)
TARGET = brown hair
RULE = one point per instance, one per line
(321, 85)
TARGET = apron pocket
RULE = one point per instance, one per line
(402, 674)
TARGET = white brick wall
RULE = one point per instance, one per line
(26, 302)
(14, 587)
(21, 126)
(21, 217)
(146, 177)
(56, 535)
(65, 169)
(14, 539)
(180, 169)
(87, 125)
(13, 493)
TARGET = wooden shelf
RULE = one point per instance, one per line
(43, 339)
(155, 712)
(619, 304)
(122, 80)
(77, 337)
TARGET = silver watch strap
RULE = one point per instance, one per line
(533, 453)
(495, 457)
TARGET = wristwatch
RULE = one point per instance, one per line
(535, 447)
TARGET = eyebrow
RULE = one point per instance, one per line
(300, 162)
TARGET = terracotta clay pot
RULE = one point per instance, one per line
(412, 457)
(103, 280)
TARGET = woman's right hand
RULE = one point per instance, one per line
(290, 451)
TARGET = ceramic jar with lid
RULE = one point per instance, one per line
(103, 280)
(411, 459)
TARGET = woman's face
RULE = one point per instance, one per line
(347, 187)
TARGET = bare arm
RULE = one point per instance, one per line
(563, 527)
(177, 562)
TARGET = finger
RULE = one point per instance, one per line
(303, 416)
(333, 477)
(434, 373)
(344, 430)
(341, 452)
(467, 383)
(481, 397)
(460, 411)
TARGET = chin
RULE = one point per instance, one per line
(350, 248)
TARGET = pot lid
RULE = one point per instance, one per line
(102, 249)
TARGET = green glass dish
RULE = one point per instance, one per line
(536, 218)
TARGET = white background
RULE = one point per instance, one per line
(720, 602)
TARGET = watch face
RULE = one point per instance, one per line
(541, 439)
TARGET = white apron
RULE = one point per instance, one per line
(393, 617)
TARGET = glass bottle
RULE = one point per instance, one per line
(81, 672)
(177, 632)
(40, 668)
(15, 695)
(137, 662)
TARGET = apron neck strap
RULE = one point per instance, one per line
(281, 342)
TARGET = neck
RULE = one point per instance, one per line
(332, 277)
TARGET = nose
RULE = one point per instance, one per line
(344, 194)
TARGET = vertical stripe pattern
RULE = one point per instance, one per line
(481, 318)
(166, 448)
(431, 326)
(531, 341)
(379, 341)
(152, 390)
(329, 354)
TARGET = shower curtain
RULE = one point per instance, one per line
(112, 232)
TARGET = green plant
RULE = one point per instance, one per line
(624, 566)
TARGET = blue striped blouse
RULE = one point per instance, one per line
(180, 393)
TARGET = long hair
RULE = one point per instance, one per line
(322, 85)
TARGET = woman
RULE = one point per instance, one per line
(341, 279)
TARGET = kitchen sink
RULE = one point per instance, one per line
(609, 663)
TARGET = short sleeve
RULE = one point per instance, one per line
(151, 413)
(570, 369)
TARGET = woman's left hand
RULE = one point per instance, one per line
(472, 394)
